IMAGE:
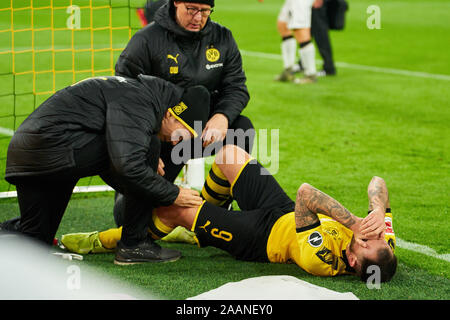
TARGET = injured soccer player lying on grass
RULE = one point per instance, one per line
(316, 232)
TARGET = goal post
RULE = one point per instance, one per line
(46, 45)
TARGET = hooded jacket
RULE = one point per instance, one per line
(209, 57)
(125, 112)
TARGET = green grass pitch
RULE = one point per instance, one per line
(335, 135)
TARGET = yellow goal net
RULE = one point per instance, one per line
(46, 45)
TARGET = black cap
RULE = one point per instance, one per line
(210, 2)
(194, 106)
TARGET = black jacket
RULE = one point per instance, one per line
(209, 57)
(126, 112)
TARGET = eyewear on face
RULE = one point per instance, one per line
(193, 11)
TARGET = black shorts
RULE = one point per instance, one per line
(244, 234)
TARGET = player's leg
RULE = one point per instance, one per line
(251, 185)
(243, 234)
(216, 189)
(226, 166)
(307, 51)
(288, 44)
(163, 221)
(301, 24)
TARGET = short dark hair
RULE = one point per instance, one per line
(386, 261)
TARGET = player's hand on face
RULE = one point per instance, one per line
(215, 129)
(359, 237)
(188, 198)
(373, 226)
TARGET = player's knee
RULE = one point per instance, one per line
(222, 154)
(230, 159)
(228, 154)
(303, 35)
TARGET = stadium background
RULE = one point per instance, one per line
(386, 114)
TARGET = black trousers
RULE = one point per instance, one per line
(43, 199)
(319, 31)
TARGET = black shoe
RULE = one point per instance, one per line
(146, 251)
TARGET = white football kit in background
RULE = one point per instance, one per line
(296, 13)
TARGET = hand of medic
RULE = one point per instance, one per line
(188, 198)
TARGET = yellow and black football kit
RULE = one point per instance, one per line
(265, 229)
(318, 249)
(244, 233)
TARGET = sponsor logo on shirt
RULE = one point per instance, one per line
(213, 66)
(315, 239)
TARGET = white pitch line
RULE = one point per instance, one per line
(77, 189)
(421, 249)
(408, 73)
(6, 131)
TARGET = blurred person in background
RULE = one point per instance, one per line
(147, 14)
(294, 27)
(327, 15)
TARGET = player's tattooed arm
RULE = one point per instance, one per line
(304, 216)
(373, 225)
(378, 194)
(311, 201)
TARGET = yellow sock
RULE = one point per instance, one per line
(110, 237)
(158, 229)
(216, 189)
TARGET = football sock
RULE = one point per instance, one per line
(288, 51)
(110, 237)
(157, 229)
(308, 57)
(216, 189)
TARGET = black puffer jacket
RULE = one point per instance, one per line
(209, 57)
(126, 112)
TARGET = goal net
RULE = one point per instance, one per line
(46, 45)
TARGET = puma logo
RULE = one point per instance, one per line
(205, 225)
(169, 56)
